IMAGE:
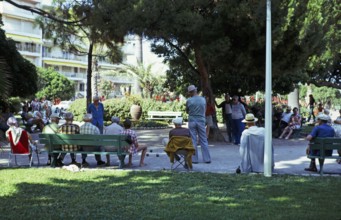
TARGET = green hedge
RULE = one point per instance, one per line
(120, 107)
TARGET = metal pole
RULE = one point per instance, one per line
(268, 96)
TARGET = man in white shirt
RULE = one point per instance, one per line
(112, 129)
(252, 146)
(285, 119)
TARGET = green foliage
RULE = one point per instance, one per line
(108, 194)
(52, 84)
(106, 87)
(78, 108)
(15, 104)
(322, 94)
(18, 74)
(227, 38)
(120, 107)
(5, 86)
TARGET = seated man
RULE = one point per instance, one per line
(68, 128)
(135, 146)
(30, 120)
(88, 128)
(252, 146)
(113, 129)
(322, 129)
(176, 142)
(285, 119)
(52, 128)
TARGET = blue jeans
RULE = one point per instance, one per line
(237, 128)
(198, 129)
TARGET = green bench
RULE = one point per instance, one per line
(323, 144)
(116, 143)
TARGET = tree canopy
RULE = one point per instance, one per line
(52, 84)
(81, 37)
(222, 43)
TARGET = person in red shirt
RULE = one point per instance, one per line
(210, 111)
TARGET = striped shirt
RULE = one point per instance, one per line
(89, 128)
(69, 128)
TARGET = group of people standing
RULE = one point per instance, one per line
(233, 114)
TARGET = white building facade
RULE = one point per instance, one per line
(19, 25)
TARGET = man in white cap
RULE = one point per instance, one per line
(252, 146)
(179, 130)
(97, 110)
(322, 129)
(196, 108)
(52, 128)
(113, 129)
(177, 143)
(88, 128)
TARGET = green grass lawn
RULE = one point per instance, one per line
(106, 194)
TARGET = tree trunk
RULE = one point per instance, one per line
(204, 81)
(215, 133)
(89, 76)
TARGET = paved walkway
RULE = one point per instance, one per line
(289, 156)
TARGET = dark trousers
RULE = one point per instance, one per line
(228, 123)
(281, 127)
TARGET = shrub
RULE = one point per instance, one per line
(120, 107)
(78, 108)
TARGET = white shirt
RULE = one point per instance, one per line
(286, 116)
(114, 128)
(252, 150)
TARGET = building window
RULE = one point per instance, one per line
(81, 87)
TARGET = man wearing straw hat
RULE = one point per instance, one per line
(252, 146)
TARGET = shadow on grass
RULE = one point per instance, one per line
(56, 194)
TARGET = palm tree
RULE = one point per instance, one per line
(5, 84)
(147, 80)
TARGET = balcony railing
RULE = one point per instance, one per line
(65, 57)
(29, 48)
(74, 75)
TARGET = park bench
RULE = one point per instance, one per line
(116, 143)
(163, 115)
(323, 144)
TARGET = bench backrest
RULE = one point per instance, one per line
(83, 139)
(164, 113)
(329, 143)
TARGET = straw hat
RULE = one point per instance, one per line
(250, 118)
